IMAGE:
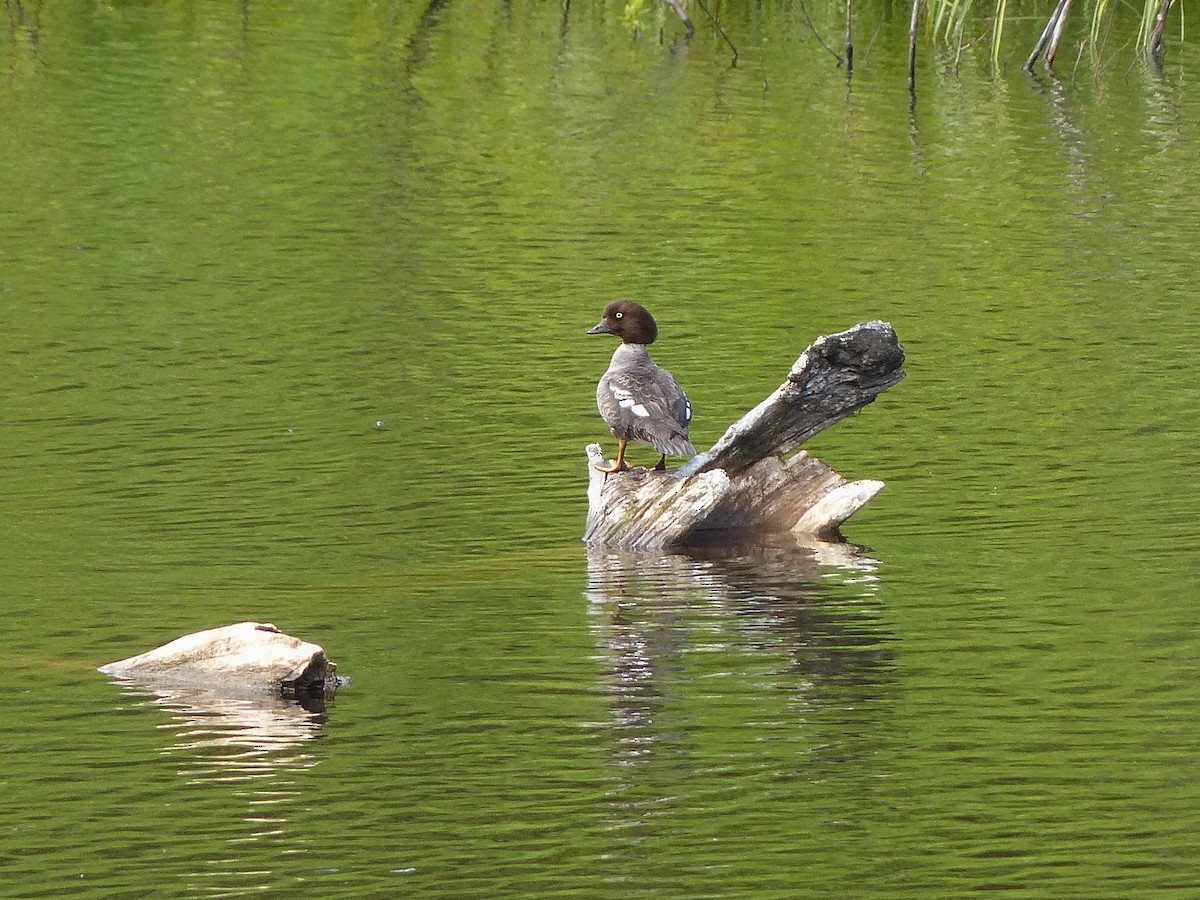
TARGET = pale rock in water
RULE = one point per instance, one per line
(246, 656)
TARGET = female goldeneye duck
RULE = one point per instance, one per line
(640, 400)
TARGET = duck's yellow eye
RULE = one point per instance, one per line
(618, 315)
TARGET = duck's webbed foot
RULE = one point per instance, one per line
(615, 467)
(661, 465)
(619, 464)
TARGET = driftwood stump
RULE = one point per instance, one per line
(743, 483)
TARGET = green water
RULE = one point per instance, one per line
(293, 306)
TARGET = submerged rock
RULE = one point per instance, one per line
(248, 656)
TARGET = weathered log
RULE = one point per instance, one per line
(742, 483)
(248, 656)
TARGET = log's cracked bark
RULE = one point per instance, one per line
(836, 376)
(742, 483)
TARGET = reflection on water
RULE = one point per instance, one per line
(256, 744)
(240, 762)
(770, 657)
(236, 238)
(231, 738)
(237, 738)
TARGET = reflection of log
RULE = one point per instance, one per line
(249, 656)
(742, 483)
(775, 605)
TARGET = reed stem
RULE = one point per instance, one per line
(912, 45)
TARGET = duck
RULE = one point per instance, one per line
(639, 399)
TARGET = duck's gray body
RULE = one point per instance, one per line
(641, 401)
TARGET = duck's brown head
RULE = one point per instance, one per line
(629, 321)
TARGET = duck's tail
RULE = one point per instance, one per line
(675, 445)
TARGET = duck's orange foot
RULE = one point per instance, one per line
(619, 466)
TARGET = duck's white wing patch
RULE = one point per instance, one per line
(626, 400)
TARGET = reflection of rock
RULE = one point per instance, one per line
(242, 697)
(248, 657)
(251, 735)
